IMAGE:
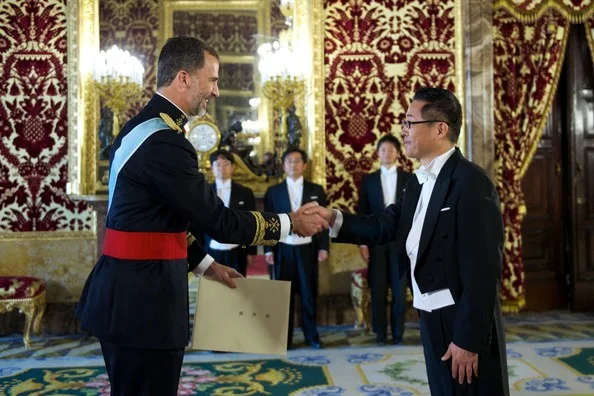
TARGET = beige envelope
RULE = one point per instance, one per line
(253, 318)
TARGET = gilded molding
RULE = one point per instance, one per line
(536, 10)
(318, 145)
(47, 236)
(83, 110)
(459, 68)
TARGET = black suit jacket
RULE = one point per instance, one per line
(144, 303)
(371, 195)
(277, 200)
(242, 197)
(461, 246)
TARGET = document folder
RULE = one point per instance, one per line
(252, 318)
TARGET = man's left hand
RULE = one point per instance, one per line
(322, 256)
(464, 363)
(223, 274)
(250, 260)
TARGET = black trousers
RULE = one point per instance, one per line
(235, 258)
(146, 372)
(298, 264)
(436, 335)
(383, 274)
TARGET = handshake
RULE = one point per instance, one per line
(311, 219)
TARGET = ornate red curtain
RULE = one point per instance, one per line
(529, 40)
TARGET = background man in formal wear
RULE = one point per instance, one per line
(234, 196)
(136, 297)
(449, 232)
(296, 258)
(379, 190)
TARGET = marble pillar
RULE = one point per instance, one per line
(478, 74)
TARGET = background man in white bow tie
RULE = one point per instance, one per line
(296, 258)
(378, 190)
(235, 196)
(449, 233)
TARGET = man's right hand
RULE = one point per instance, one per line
(328, 215)
(269, 259)
(364, 250)
(223, 274)
(306, 223)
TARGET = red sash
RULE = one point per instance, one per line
(145, 245)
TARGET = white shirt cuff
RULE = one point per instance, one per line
(335, 229)
(285, 226)
(203, 266)
(269, 254)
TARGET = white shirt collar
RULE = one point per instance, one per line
(438, 162)
(291, 182)
(388, 171)
(163, 96)
(223, 184)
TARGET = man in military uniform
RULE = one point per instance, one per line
(136, 297)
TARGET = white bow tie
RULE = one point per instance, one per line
(424, 175)
(222, 187)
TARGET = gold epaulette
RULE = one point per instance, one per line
(176, 126)
(190, 238)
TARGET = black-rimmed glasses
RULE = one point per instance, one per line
(407, 124)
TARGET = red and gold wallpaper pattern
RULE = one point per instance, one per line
(376, 54)
(133, 25)
(33, 120)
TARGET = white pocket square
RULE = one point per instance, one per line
(241, 202)
(445, 209)
(314, 197)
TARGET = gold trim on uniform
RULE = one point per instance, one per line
(261, 226)
(190, 238)
(172, 124)
(273, 224)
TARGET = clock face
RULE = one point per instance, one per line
(204, 137)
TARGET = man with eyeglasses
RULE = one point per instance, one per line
(448, 230)
(296, 258)
(235, 196)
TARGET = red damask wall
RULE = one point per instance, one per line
(377, 53)
(33, 120)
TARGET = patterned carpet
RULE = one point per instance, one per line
(549, 354)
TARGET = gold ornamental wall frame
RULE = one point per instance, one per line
(261, 9)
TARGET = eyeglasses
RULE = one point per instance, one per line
(221, 165)
(407, 124)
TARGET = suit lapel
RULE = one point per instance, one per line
(233, 198)
(378, 192)
(438, 196)
(285, 197)
(400, 182)
(306, 193)
(409, 206)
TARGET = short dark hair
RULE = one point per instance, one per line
(441, 104)
(389, 138)
(295, 150)
(181, 53)
(221, 153)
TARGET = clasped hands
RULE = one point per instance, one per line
(310, 219)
